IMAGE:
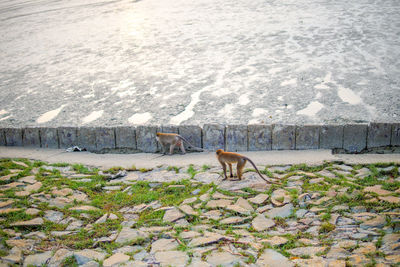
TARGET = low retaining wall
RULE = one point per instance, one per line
(352, 138)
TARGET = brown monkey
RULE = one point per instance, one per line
(231, 158)
(173, 140)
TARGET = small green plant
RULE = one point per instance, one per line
(326, 227)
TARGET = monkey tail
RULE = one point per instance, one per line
(255, 167)
(190, 145)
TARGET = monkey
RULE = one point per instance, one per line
(231, 158)
(173, 140)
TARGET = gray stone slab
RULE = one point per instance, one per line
(307, 136)
(169, 129)
(86, 138)
(236, 138)
(355, 137)
(67, 136)
(13, 136)
(395, 140)
(283, 136)
(31, 137)
(105, 138)
(213, 136)
(192, 133)
(146, 138)
(331, 136)
(259, 137)
(2, 137)
(48, 137)
(125, 137)
(379, 134)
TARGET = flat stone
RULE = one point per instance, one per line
(260, 223)
(87, 255)
(259, 199)
(189, 234)
(33, 222)
(60, 233)
(73, 224)
(84, 208)
(79, 197)
(223, 258)
(377, 222)
(282, 212)
(33, 187)
(62, 192)
(316, 181)
(390, 199)
(271, 258)
(306, 251)
(314, 261)
(358, 260)
(221, 203)
(102, 219)
(14, 257)
(172, 215)
(7, 203)
(172, 258)
(112, 188)
(233, 220)
(221, 196)
(338, 253)
(163, 245)
(28, 179)
(37, 259)
(91, 263)
(188, 210)
(129, 235)
(275, 241)
(207, 239)
(59, 257)
(22, 193)
(212, 214)
(377, 189)
(11, 185)
(23, 244)
(116, 259)
(244, 204)
(59, 202)
(238, 209)
(301, 212)
(5, 211)
(189, 200)
(280, 197)
(53, 216)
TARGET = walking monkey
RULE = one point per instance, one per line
(173, 140)
(231, 158)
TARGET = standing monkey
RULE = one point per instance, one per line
(173, 140)
(231, 158)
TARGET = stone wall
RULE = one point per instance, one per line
(352, 138)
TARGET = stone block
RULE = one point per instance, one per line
(331, 136)
(283, 136)
(13, 136)
(236, 138)
(307, 137)
(48, 137)
(379, 134)
(259, 137)
(192, 133)
(105, 138)
(146, 138)
(67, 136)
(31, 137)
(2, 137)
(355, 137)
(125, 137)
(395, 140)
(213, 136)
(86, 138)
(169, 129)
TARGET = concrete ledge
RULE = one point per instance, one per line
(351, 138)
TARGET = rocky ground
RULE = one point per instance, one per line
(73, 215)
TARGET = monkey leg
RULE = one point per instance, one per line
(182, 147)
(163, 149)
(224, 168)
(230, 169)
(240, 167)
(171, 149)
